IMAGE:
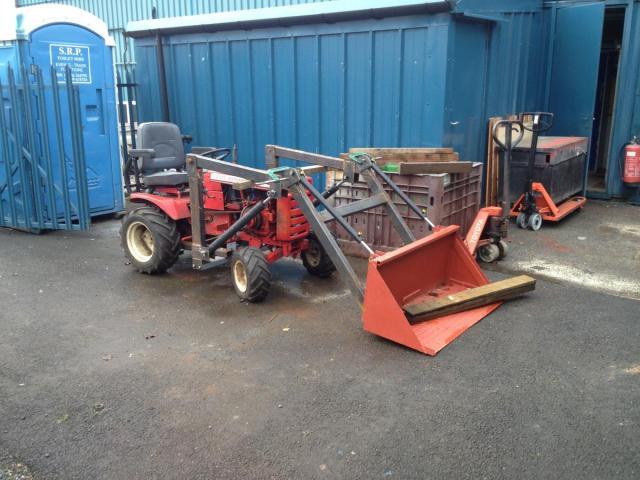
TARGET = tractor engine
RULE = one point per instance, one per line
(281, 226)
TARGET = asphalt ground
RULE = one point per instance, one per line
(597, 248)
(109, 374)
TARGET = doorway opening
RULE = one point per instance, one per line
(605, 99)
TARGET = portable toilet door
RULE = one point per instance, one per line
(61, 36)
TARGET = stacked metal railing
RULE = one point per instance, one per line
(43, 178)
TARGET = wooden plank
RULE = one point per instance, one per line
(490, 170)
(493, 180)
(468, 299)
(417, 157)
(435, 167)
(395, 151)
(396, 155)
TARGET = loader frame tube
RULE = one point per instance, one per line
(274, 152)
(238, 225)
(327, 240)
(294, 180)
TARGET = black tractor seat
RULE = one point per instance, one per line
(159, 159)
(160, 156)
(166, 178)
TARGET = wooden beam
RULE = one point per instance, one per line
(396, 151)
(468, 299)
(435, 167)
(395, 155)
(492, 170)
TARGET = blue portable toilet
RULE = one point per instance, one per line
(60, 35)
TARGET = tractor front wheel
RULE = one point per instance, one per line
(316, 260)
(250, 274)
(150, 240)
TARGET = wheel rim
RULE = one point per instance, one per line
(140, 242)
(488, 253)
(313, 254)
(240, 276)
(535, 221)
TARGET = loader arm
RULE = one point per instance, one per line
(403, 286)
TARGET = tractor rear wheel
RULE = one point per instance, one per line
(250, 274)
(316, 260)
(150, 240)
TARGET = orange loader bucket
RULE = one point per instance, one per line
(429, 268)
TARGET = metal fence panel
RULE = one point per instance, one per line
(35, 193)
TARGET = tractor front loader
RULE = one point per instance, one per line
(420, 295)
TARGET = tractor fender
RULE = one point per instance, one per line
(176, 208)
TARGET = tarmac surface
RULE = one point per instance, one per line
(109, 374)
(597, 248)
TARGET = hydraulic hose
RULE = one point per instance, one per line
(239, 224)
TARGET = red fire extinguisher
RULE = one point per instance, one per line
(631, 162)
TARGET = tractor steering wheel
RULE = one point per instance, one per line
(217, 153)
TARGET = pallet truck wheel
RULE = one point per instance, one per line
(316, 260)
(521, 220)
(250, 274)
(535, 222)
(489, 253)
(150, 240)
(504, 249)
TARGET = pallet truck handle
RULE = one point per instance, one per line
(542, 121)
(508, 124)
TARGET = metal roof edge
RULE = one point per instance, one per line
(330, 11)
(25, 20)
(485, 7)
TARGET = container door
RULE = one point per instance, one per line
(61, 45)
(574, 73)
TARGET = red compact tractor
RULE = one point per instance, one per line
(154, 234)
(227, 213)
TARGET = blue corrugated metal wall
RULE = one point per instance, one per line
(626, 120)
(466, 88)
(317, 87)
(116, 13)
(516, 64)
(427, 80)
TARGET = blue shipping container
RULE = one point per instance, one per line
(412, 80)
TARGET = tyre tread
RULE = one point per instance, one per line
(166, 237)
(325, 268)
(258, 273)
